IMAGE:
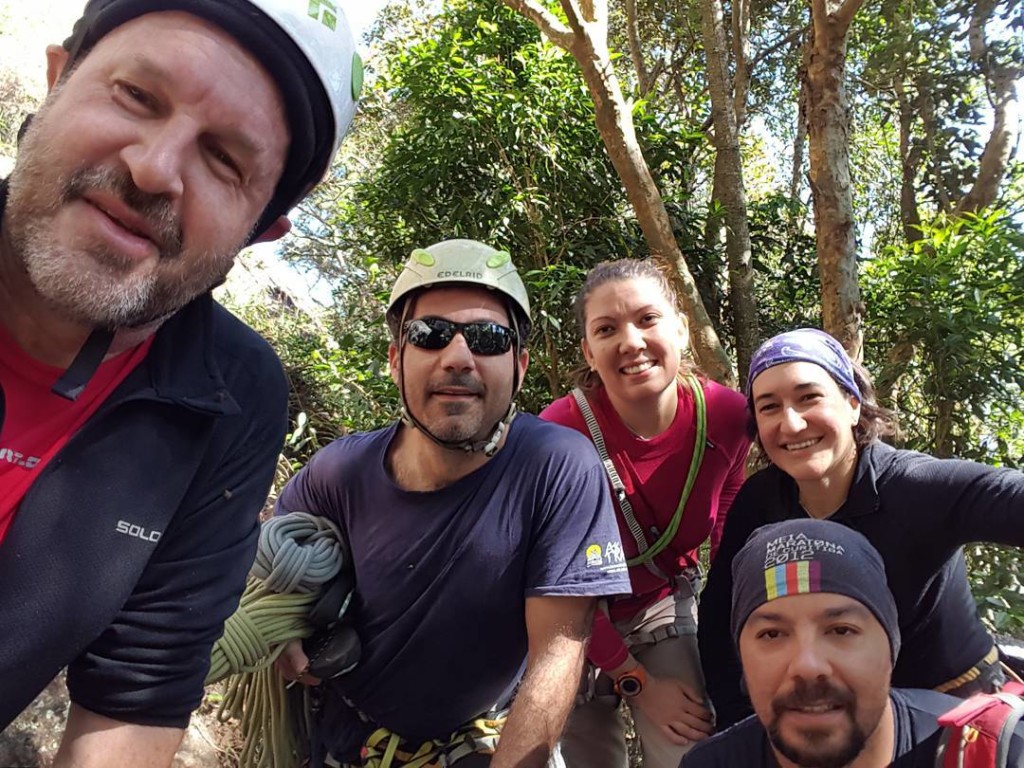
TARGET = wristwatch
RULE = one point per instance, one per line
(629, 684)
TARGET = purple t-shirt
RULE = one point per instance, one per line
(442, 576)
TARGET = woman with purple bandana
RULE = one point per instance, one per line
(813, 413)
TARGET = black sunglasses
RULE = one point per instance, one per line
(482, 338)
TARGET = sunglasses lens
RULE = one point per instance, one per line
(487, 338)
(437, 333)
(432, 333)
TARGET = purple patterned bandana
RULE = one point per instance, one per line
(805, 345)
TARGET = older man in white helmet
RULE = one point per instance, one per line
(480, 540)
(140, 422)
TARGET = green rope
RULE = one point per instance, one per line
(699, 444)
(298, 554)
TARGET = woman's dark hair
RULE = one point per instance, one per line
(620, 271)
(876, 422)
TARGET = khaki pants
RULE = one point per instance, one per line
(595, 736)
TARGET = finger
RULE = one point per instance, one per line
(689, 691)
(697, 711)
(305, 679)
(293, 662)
(672, 737)
(691, 729)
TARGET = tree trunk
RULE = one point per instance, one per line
(799, 141)
(828, 127)
(909, 216)
(726, 110)
(943, 438)
(1002, 87)
(585, 39)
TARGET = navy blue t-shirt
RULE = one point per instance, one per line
(442, 576)
(917, 736)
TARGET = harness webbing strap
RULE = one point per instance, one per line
(648, 552)
(385, 749)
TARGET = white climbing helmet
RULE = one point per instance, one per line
(321, 31)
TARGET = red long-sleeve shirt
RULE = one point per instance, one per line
(654, 472)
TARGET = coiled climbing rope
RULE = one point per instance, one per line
(298, 555)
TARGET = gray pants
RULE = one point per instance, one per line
(595, 736)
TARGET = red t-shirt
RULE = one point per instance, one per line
(654, 472)
(36, 422)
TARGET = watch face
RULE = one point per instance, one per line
(629, 685)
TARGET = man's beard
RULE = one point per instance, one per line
(91, 284)
(457, 422)
(816, 751)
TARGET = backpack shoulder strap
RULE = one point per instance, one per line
(979, 731)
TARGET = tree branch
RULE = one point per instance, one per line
(643, 78)
(819, 18)
(741, 55)
(844, 14)
(789, 39)
(976, 31)
(553, 29)
(1000, 83)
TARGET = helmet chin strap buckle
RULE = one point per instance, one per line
(487, 447)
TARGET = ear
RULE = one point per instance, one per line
(393, 361)
(854, 410)
(524, 363)
(56, 60)
(587, 355)
(684, 333)
(280, 227)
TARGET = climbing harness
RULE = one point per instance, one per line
(648, 552)
(384, 749)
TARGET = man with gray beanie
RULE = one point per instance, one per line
(817, 633)
(140, 423)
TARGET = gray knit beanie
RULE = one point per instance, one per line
(804, 556)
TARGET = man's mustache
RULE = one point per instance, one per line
(818, 693)
(155, 210)
(459, 381)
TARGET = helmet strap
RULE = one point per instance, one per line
(73, 381)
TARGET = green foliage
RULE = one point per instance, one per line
(957, 298)
(336, 365)
(785, 266)
(998, 591)
(15, 104)
(497, 142)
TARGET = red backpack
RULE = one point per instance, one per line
(978, 731)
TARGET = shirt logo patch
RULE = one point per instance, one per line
(17, 458)
(594, 557)
(613, 553)
(138, 532)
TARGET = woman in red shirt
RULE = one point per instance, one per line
(678, 445)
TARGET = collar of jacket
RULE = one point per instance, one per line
(863, 496)
(182, 361)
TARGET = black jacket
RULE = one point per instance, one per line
(917, 511)
(132, 547)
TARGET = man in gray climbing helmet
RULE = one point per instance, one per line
(479, 543)
(450, 264)
(145, 419)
